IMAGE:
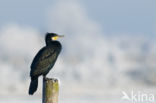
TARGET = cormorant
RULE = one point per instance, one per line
(44, 60)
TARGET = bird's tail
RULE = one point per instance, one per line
(33, 85)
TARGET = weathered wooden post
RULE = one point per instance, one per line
(50, 90)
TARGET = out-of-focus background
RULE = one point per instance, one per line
(109, 47)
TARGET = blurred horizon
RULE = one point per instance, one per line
(109, 47)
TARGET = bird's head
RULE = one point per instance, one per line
(53, 36)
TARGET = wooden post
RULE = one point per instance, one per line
(50, 90)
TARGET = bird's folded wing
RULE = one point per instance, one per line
(47, 53)
(43, 60)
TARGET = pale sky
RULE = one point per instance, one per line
(115, 16)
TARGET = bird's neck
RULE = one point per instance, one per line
(48, 41)
(51, 42)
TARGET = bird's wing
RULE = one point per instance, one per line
(44, 59)
(46, 54)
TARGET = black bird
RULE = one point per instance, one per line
(44, 60)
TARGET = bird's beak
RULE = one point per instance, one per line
(60, 36)
(56, 37)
